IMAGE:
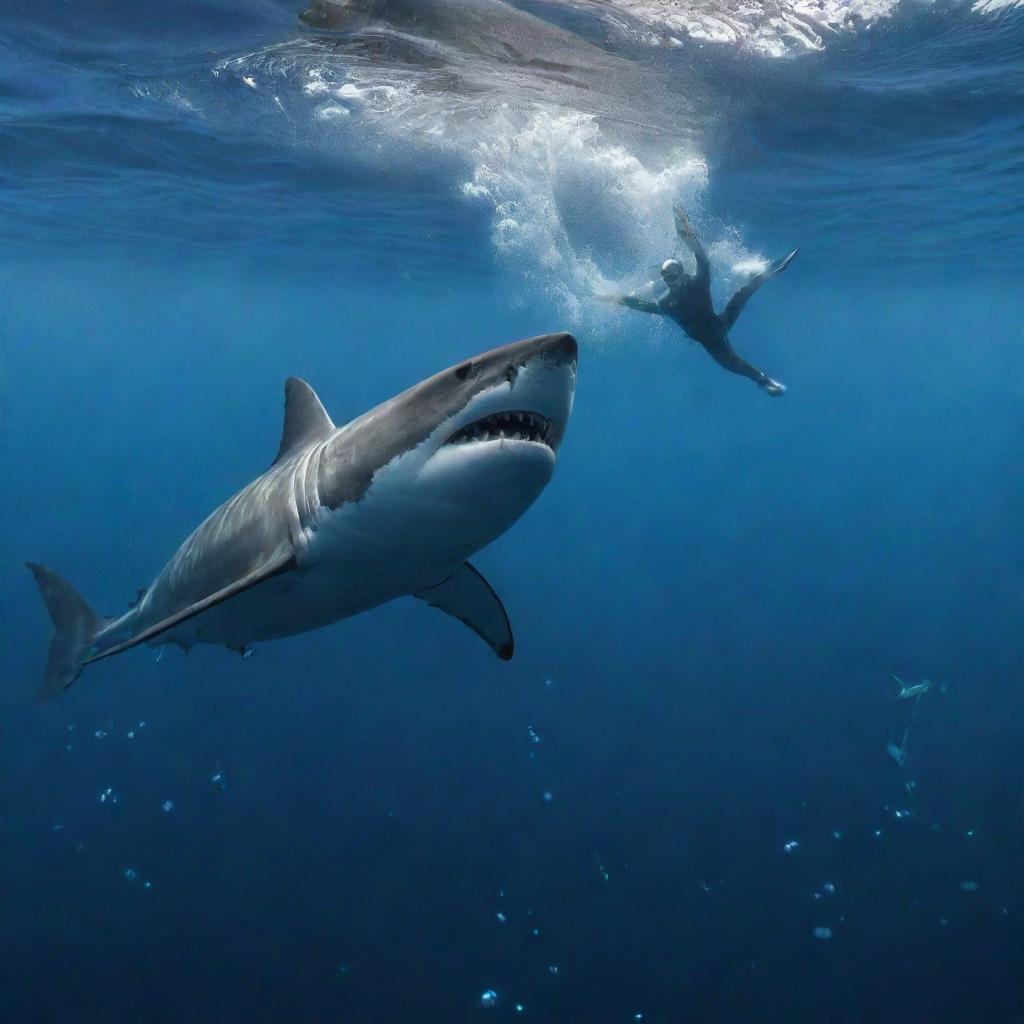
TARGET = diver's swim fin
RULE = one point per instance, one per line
(780, 265)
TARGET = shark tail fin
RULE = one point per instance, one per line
(74, 623)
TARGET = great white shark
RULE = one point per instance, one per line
(347, 518)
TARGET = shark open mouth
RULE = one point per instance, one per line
(513, 426)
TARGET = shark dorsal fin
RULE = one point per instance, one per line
(305, 419)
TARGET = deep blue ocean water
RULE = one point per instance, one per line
(379, 821)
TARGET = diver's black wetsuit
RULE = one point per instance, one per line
(690, 306)
(688, 302)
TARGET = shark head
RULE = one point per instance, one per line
(462, 455)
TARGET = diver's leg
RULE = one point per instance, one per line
(725, 355)
(735, 305)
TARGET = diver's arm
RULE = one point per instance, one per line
(636, 303)
(691, 241)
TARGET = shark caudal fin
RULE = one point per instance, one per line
(74, 623)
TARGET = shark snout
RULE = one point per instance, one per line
(560, 346)
(558, 349)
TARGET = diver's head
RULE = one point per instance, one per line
(672, 273)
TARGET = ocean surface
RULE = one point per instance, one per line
(676, 804)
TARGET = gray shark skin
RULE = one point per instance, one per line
(481, 52)
(487, 28)
(347, 518)
(477, 47)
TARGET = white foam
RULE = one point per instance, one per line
(774, 28)
(557, 186)
(575, 203)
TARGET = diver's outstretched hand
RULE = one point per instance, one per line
(682, 221)
(773, 388)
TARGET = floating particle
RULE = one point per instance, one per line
(56, 828)
(108, 796)
(535, 932)
(489, 998)
(829, 889)
(343, 969)
(501, 917)
(969, 886)
(519, 1007)
(147, 885)
(158, 653)
(970, 833)
(142, 724)
(822, 933)
(878, 833)
(249, 653)
(217, 778)
(548, 683)
(534, 737)
(638, 1016)
(131, 874)
(943, 922)
(790, 846)
(101, 734)
(548, 796)
(167, 806)
(836, 834)
(901, 813)
(130, 734)
(553, 969)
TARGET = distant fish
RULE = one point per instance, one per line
(897, 754)
(908, 691)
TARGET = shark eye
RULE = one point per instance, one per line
(462, 372)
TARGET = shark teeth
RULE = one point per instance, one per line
(511, 426)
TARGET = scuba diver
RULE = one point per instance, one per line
(688, 302)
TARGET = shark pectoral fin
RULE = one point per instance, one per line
(284, 562)
(468, 597)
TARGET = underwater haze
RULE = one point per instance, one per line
(696, 793)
